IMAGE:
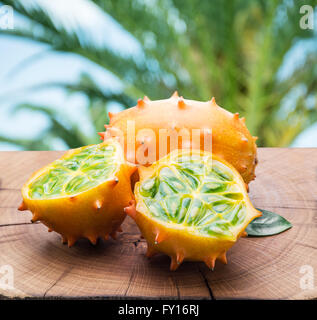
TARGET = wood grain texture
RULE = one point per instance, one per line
(258, 268)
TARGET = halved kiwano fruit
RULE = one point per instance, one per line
(191, 205)
(82, 194)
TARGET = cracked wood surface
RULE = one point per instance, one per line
(259, 268)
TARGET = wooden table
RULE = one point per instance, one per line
(258, 268)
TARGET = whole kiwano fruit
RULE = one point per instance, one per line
(142, 129)
(191, 205)
(82, 194)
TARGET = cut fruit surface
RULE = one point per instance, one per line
(78, 172)
(191, 205)
(83, 193)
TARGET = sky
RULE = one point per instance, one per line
(50, 66)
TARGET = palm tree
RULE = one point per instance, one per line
(233, 50)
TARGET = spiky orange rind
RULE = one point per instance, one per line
(83, 194)
(231, 140)
(215, 216)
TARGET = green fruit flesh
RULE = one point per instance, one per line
(196, 192)
(79, 172)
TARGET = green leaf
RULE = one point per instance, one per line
(268, 224)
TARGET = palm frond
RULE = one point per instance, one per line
(27, 144)
(233, 50)
(60, 127)
(134, 73)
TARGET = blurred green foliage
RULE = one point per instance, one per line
(232, 50)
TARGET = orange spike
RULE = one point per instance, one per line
(140, 103)
(181, 103)
(159, 238)
(97, 204)
(213, 101)
(130, 211)
(242, 119)
(111, 115)
(175, 94)
(236, 116)
(244, 234)
(107, 126)
(22, 206)
(35, 217)
(113, 235)
(114, 181)
(255, 138)
(106, 236)
(180, 257)
(210, 262)
(71, 241)
(49, 230)
(222, 257)
(102, 135)
(150, 251)
(64, 240)
(92, 239)
(247, 187)
(174, 265)
(146, 98)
